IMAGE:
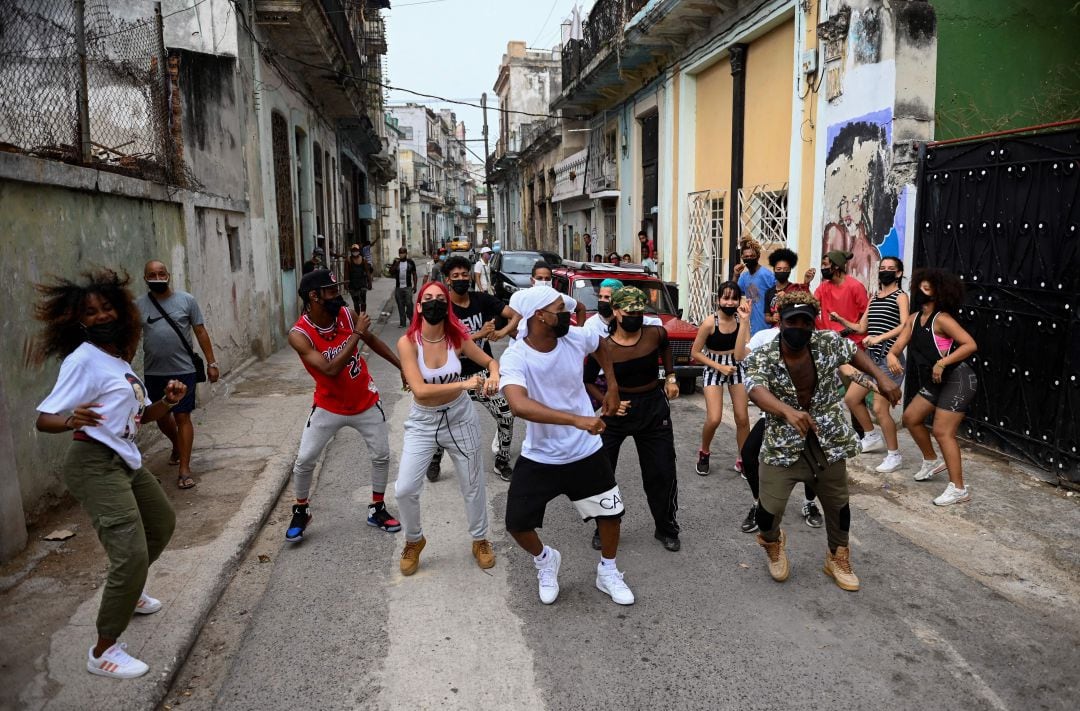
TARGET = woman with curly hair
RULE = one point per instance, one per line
(783, 263)
(93, 326)
(755, 282)
(939, 349)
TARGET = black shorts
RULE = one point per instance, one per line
(589, 483)
(155, 389)
(956, 390)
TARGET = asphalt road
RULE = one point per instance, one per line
(337, 626)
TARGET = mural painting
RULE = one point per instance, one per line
(864, 214)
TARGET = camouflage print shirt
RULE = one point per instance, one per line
(765, 368)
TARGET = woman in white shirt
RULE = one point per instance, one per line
(442, 415)
(94, 327)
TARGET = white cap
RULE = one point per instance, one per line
(485, 250)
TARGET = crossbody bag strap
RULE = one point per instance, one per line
(187, 346)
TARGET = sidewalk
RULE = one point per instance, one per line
(246, 441)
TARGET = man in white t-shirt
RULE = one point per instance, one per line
(482, 271)
(562, 454)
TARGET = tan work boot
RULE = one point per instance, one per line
(838, 567)
(778, 562)
(410, 557)
(484, 553)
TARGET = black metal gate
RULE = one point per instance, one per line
(1004, 214)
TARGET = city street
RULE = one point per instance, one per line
(331, 623)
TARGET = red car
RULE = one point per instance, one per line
(581, 280)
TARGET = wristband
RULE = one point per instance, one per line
(212, 365)
(168, 404)
(672, 379)
(67, 422)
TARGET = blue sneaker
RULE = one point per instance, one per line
(300, 519)
(379, 517)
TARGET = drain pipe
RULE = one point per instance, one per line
(737, 56)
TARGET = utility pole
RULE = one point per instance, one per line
(84, 95)
(487, 176)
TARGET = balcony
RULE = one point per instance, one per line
(434, 149)
(373, 38)
(318, 33)
(622, 41)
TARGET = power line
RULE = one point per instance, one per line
(546, 20)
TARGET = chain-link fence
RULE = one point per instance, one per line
(50, 50)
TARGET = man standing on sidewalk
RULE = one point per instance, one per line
(169, 317)
(359, 277)
(806, 436)
(327, 338)
(403, 270)
(482, 271)
(562, 454)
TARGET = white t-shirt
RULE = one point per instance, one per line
(762, 338)
(554, 379)
(485, 275)
(595, 324)
(90, 374)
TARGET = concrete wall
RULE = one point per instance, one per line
(1006, 64)
(212, 122)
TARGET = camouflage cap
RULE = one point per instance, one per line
(629, 298)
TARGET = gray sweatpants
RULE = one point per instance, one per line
(456, 428)
(322, 425)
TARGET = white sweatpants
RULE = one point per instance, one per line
(322, 425)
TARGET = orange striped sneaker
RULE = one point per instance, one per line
(115, 662)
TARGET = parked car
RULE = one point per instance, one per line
(512, 270)
(459, 244)
(582, 281)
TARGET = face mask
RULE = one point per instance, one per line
(544, 282)
(496, 250)
(434, 312)
(886, 278)
(729, 310)
(826, 273)
(460, 286)
(355, 253)
(334, 306)
(919, 299)
(631, 323)
(562, 324)
(102, 334)
(782, 277)
(158, 287)
(604, 309)
(442, 257)
(750, 263)
(796, 338)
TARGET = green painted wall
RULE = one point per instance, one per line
(50, 230)
(1006, 64)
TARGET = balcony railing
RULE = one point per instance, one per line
(605, 22)
(433, 148)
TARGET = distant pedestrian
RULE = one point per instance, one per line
(317, 261)
(359, 277)
(645, 245)
(614, 259)
(938, 347)
(626, 259)
(403, 271)
(643, 412)
(586, 241)
(327, 338)
(714, 348)
(482, 272)
(806, 436)
(542, 381)
(442, 415)
(170, 317)
(94, 327)
(650, 263)
(755, 282)
(435, 274)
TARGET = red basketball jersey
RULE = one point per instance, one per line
(352, 391)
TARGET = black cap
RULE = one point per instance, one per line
(315, 280)
(318, 250)
(807, 310)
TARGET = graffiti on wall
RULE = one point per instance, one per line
(864, 214)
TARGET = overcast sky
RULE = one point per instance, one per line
(452, 48)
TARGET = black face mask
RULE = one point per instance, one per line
(158, 287)
(886, 278)
(334, 306)
(631, 323)
(750, 264)
(604, 309)
(434, 312)
(782, 277)
(562, 324)
(460, 286)
(796, 338)
(919, 299)
(729, 310)
(826, 273)
(103, 334)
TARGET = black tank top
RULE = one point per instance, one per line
(718, 342)
(924, 350)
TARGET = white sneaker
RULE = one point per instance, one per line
(115, 662)
(892, 462)
(929, 469)
(952, 495)
(548, 575)
(610, 581)
(872, 442)
(495, 444)
(147, 605)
